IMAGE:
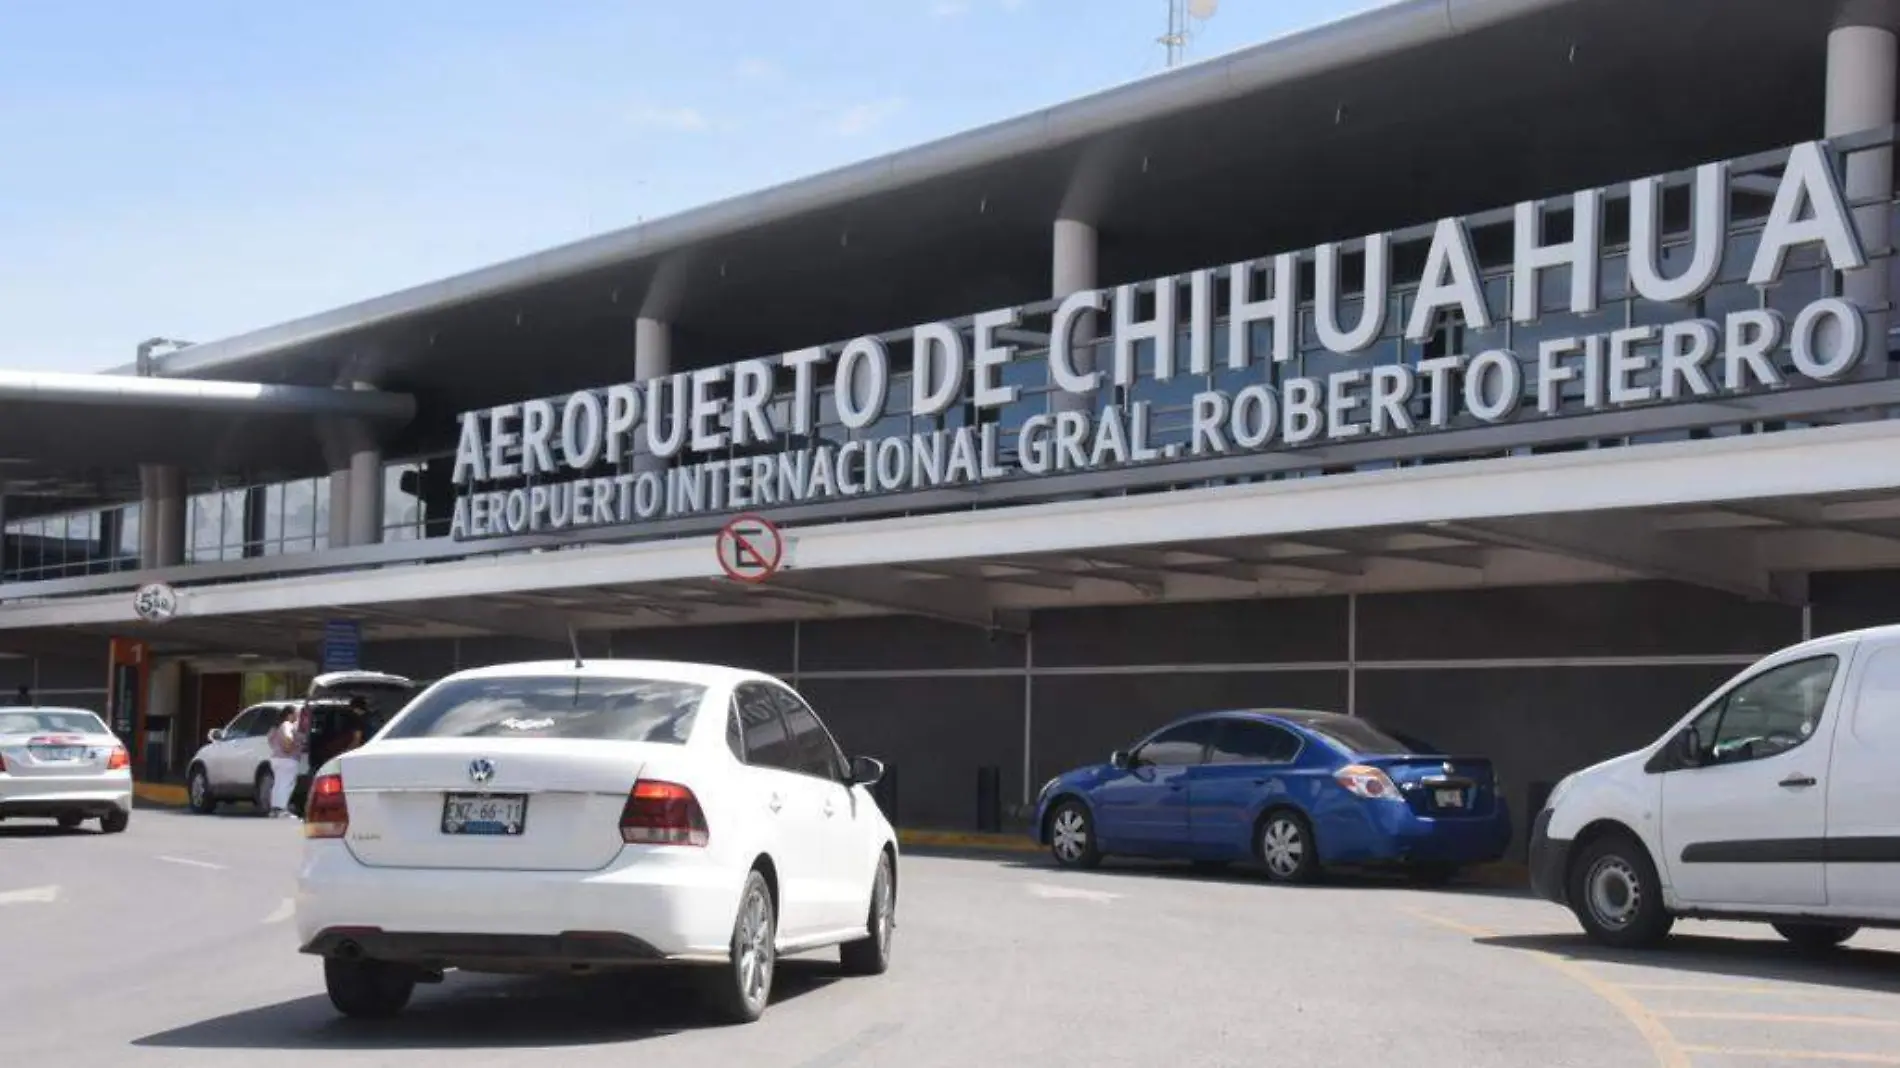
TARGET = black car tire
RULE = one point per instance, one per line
(1617, 895)
(367, 989)
(115, 822)
(261, 788)
(198, 792)
(871, 955)
(1816, 937)
(70, 821)
(1072, 835)
(731, 988)
(1286, 846)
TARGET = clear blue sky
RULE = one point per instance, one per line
(198, 168)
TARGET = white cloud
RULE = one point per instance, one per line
(754, 69)
(949, 9)
(863, 118)
(655, 117)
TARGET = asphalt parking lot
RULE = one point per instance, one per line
(171, 945)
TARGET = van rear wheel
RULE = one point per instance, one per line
(1816, 937)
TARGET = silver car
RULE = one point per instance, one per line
(63, 764)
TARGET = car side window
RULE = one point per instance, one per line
(766, 743)
(1769, 714)
(1247, 741)
(1181, 745)
(818, 754)
(240, 725)
(266, 719)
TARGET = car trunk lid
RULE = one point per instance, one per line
(52, 754)
(1438, 785)
(535, 804)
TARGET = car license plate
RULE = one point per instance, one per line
(492, 814)
(58, 754)
(1449, 798)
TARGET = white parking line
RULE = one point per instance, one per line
(38, 895)
(283, 912)
(187, 861)
(1070, 893)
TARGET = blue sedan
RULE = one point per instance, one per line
(1291, 789)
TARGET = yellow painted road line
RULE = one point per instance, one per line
(1669, 1053)
(1778, 1017)
(1762, 989)
(1794, 1055)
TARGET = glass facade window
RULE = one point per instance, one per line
(71, 545)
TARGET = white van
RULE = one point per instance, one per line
(1776, 800)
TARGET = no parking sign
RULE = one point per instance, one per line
(750, 549)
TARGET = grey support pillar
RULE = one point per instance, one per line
(1861, 62)
(1071, 271)
(366, 496)
(652, 358)
(339, 508)
(161, 516)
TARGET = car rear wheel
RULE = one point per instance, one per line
(1072, 836)
(262, 788)
(1816, 936)
(367, 989)
(872, 955)
(1287, 848)
(1615, 892)
(115, 822)
(198, 792)
(741, 987)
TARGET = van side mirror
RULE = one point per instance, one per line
(1688, 748)
(1119, 760)
(866, 771)
(216, 734)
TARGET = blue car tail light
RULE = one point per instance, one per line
(1368, 782)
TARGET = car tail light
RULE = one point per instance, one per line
(1367, 782)
(119, 759)
(662, 813)
(327, 813)
(3, 763)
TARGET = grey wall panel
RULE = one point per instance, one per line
(17, 671)
(758, 646)
(481, 652)
(1610, 619)
(1538, 725)
(425, 658)
(894, 643)
(1850, 600)
(1217, 632)
(1079, 719)
(935, 732)
(73, 672)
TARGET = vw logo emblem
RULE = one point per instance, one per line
(481, 770)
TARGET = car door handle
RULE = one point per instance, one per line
(1798, 781)
(775, 804)
(831, 808)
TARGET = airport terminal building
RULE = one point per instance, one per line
(1507, 372)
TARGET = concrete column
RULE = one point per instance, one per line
(339, 508)
(161, 516)
(652, 358)
(1072, 269)
(366, 496)
(1861, 63)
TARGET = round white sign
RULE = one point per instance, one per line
(155, 603)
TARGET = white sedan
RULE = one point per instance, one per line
(568, 817)
(63, 764)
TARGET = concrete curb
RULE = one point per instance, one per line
(158, 793)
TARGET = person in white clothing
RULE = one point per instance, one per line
(283, 764)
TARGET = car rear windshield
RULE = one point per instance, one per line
(1357, 736)
(603, 709)
(70, 722)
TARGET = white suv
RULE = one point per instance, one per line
(234, 764)
(1776, 800)
(572, 818)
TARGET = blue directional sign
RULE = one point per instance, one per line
(342, 645)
